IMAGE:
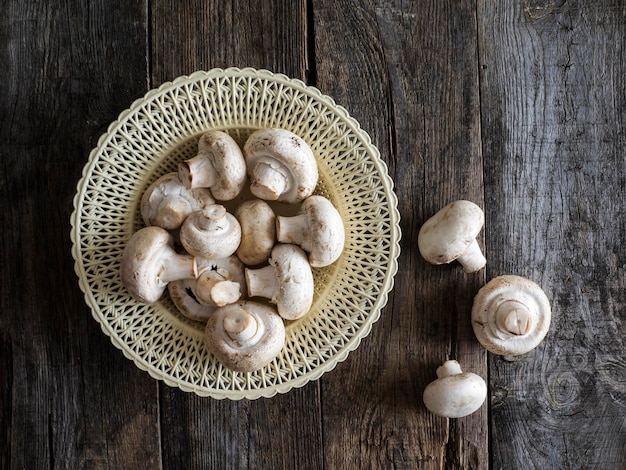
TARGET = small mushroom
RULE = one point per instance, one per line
(149, 263)
(210, 233)
(167, 202)
(258, 231)
(450, 235)
(510, 315)
(286, 282)
(281, 166)
(220, 282)
(455, 393)
(219, 165)
(245, 336)
(318, 229)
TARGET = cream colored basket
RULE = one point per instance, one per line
(164, 127)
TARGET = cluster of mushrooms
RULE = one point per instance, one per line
(243, 273)
(510, 314)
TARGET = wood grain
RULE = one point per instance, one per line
(408, 73)
(553, 95)
(65, 388)
(517, 106)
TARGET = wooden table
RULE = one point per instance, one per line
(519, 106)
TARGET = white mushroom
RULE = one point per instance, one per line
(286, 282)
(455, 393)
(245, 336)
(210, 233)
(220, 282)
(281, 166)
(258, 231)
(149, 263)
(318, 229)
(219, 165)
(451, 235)
(167, 202)
(510, 315)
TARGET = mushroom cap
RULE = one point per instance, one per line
(143, 263)
(323, 238)
(167, 202)
(258, 231)
(210, 233)
(450, 232)
(264, 343)
(456, 395)
(505, 297)
(183, 295)
(224, 159)
(294, 295)
(288, 158)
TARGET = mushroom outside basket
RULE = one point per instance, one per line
(162, 129)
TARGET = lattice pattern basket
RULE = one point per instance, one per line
(163, 128)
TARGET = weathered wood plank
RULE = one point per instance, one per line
(407, 71)
(553, 96)
(284, 431)
(198, 35)
(64, 386)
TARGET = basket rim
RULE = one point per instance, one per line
(392, 205)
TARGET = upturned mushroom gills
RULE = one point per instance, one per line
(455, 393)
(281, 166)
(318, 229)
(219, 166)
(510, 315)
(451, 234)
(167, 203)
(239, 325)
(182, 293)
(211, 233)
(149, 263)
(286, 282)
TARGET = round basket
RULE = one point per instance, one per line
(163, 128)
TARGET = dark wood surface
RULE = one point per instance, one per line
(518, 106)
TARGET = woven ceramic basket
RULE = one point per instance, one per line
(163, 128)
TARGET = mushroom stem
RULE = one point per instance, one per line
(213, 220)
(175, 267)
(240, 325)
(472, 259)
(294, 229)
(268, 182)
(214, 288)
(262, 282)
(197, 172)
(514, 318)
(448, 368)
